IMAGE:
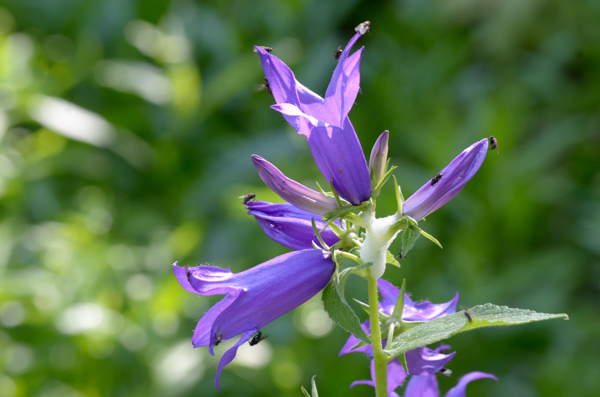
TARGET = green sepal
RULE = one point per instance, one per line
(335, 304)
(409, 237)
(313, 390)
(442, 328)
(399, 197)
(391, 259)
(377, 189)
(383, 318)
(429, 237)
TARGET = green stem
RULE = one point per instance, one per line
(379, 356)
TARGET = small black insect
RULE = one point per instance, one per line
(265, 86)
(218, 339)
(257, 338)
(469, 315)
(267, 49)
(363, 27)
(494, 144)
(187, 273)
(248, 197)
(436, 179)
(445, 371)
(338, 53)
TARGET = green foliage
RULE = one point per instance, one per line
(442, 328)
(334, 301)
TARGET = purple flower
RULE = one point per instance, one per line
(427, 386)
(291, 191)
(324, 121)
(421, 361)
(254, 297)
(445, 185)
(290, 226)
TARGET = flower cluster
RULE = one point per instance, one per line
(422, 363)
(308, 224)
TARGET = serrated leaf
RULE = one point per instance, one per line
(334, 302)
(487, 315)
(409, 237)
(391, 259)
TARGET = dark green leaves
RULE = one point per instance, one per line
(487, 315)
(340, 312)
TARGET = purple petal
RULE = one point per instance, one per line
(389, 295)
(229, 355)
(345, 83)
(454, 177)
(395, 374)
(292, 191)
(203, 329)
(353, 341)
(460, 389)
(290, 226)
(424, 361)
(341, 160)
(269, 290)
(422, 386)
(425, 311)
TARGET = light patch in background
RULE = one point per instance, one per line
(139, 287)
(138, 78)
(178, 368)
(287, 375)
(256, 356)
(18, 358)
(112, 322)
(165, 324)
(8, 388)
(48, 297)
(133, 337)
(55, 388)
(79, 318)
(3, 118)
(311, 320)
(12, 313)
(71, 121)
(168, 44)
(121, 257)
(58, 255)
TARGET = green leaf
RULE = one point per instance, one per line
(409, 237)
(487, 315)
(334, 302)
(314, 392)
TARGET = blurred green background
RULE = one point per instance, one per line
(126, 133)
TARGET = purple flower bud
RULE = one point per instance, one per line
(378, 158)
(324, 121)
(290, 226)
(291, 191)
(254, 297)
(447, 183)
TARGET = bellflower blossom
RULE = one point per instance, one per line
(324, 121)
(290, 226)
(254, 297)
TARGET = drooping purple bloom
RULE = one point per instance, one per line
(254, 297)
(291, 191)
(427, 386)
(290, 226)
(324, 121)
(444, 186)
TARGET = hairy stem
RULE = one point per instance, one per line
(379, 356)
